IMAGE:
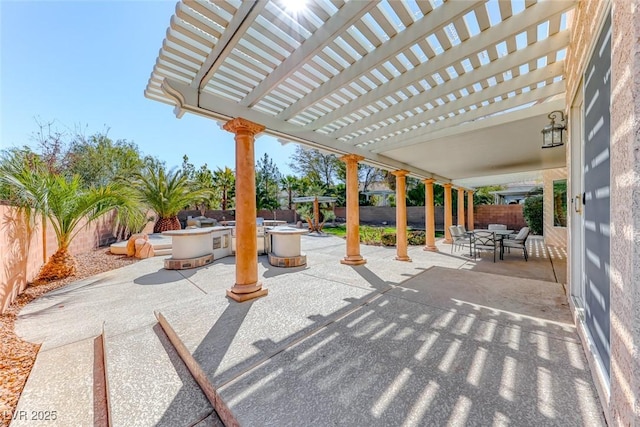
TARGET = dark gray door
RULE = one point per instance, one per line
(597, 91)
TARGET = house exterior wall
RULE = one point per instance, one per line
(625, 213)
(621, 396)
(23, 252)
(553, 236)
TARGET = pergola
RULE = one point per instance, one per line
(451, 92)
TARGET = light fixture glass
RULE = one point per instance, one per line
(553, 133)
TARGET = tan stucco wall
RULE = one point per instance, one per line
(553, 236)
(622, 403)
(22, 252)
(625, 213)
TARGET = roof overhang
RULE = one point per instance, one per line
(455, 91)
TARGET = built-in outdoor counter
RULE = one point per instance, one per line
(273, 223)
(195, 247)
(285, 248)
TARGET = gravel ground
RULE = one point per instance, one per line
(17, 356)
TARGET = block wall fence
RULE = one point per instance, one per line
(23, 252)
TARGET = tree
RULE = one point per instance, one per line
(483, 196)
(290, 184)
(99, 161)
(267, 183)
(369, 175)
(533, 213)
(201, 179)
(166, 193)
(224, 182)
(61, 200)
(317, 167)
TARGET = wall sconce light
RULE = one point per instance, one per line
(553, 133)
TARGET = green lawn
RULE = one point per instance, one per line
(368, 233)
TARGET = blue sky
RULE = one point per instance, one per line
(87, 63)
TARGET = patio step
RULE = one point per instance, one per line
(149, 385)
(66, 387)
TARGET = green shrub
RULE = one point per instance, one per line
(533, 213)
(370, 235)
(417, 237)
(388, 239)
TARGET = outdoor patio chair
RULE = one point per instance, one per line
(496, 227)
(518, 242)
(486, 240)
(458, 239)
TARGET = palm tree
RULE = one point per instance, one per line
(225, 181)
(167, 193)
(62, 201)
(289, 184)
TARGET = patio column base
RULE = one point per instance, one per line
(241, 293)
(430, 249)
(448, 241)
(403, 258)
(353, 260)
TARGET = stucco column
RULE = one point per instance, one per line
(401, 215)
(430, 216)
(470, 220)
(353, 212)
(460, 206)
(448, 213)
(247, 285)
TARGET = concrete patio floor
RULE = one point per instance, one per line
(441, 340)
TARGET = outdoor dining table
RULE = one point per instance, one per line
(499, 234)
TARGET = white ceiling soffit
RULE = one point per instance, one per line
(450, 90)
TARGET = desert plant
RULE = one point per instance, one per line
(166, 193)
(388, 239)
(370, 235)
(416, 237)
(61, 200)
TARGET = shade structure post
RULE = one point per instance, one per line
(353, 212)
(247, 286)
(430, 216)
(448, 213)
(401, 215)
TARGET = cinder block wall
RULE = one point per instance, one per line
(509, 215)
(229, 215)
(23, 252)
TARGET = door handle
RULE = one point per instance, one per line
(576, 205)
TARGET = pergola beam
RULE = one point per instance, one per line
(345, 17)
(517, 83)
(490, 37)
(417, 31)
(247, 13)
(443, 129)
(186, 99)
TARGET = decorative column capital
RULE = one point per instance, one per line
(240, 125)
(447, 185)
(350, 158)
(400, 173)
(470, 191)
(428, 181)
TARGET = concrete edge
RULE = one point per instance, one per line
(224, 413)
(107, 389)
